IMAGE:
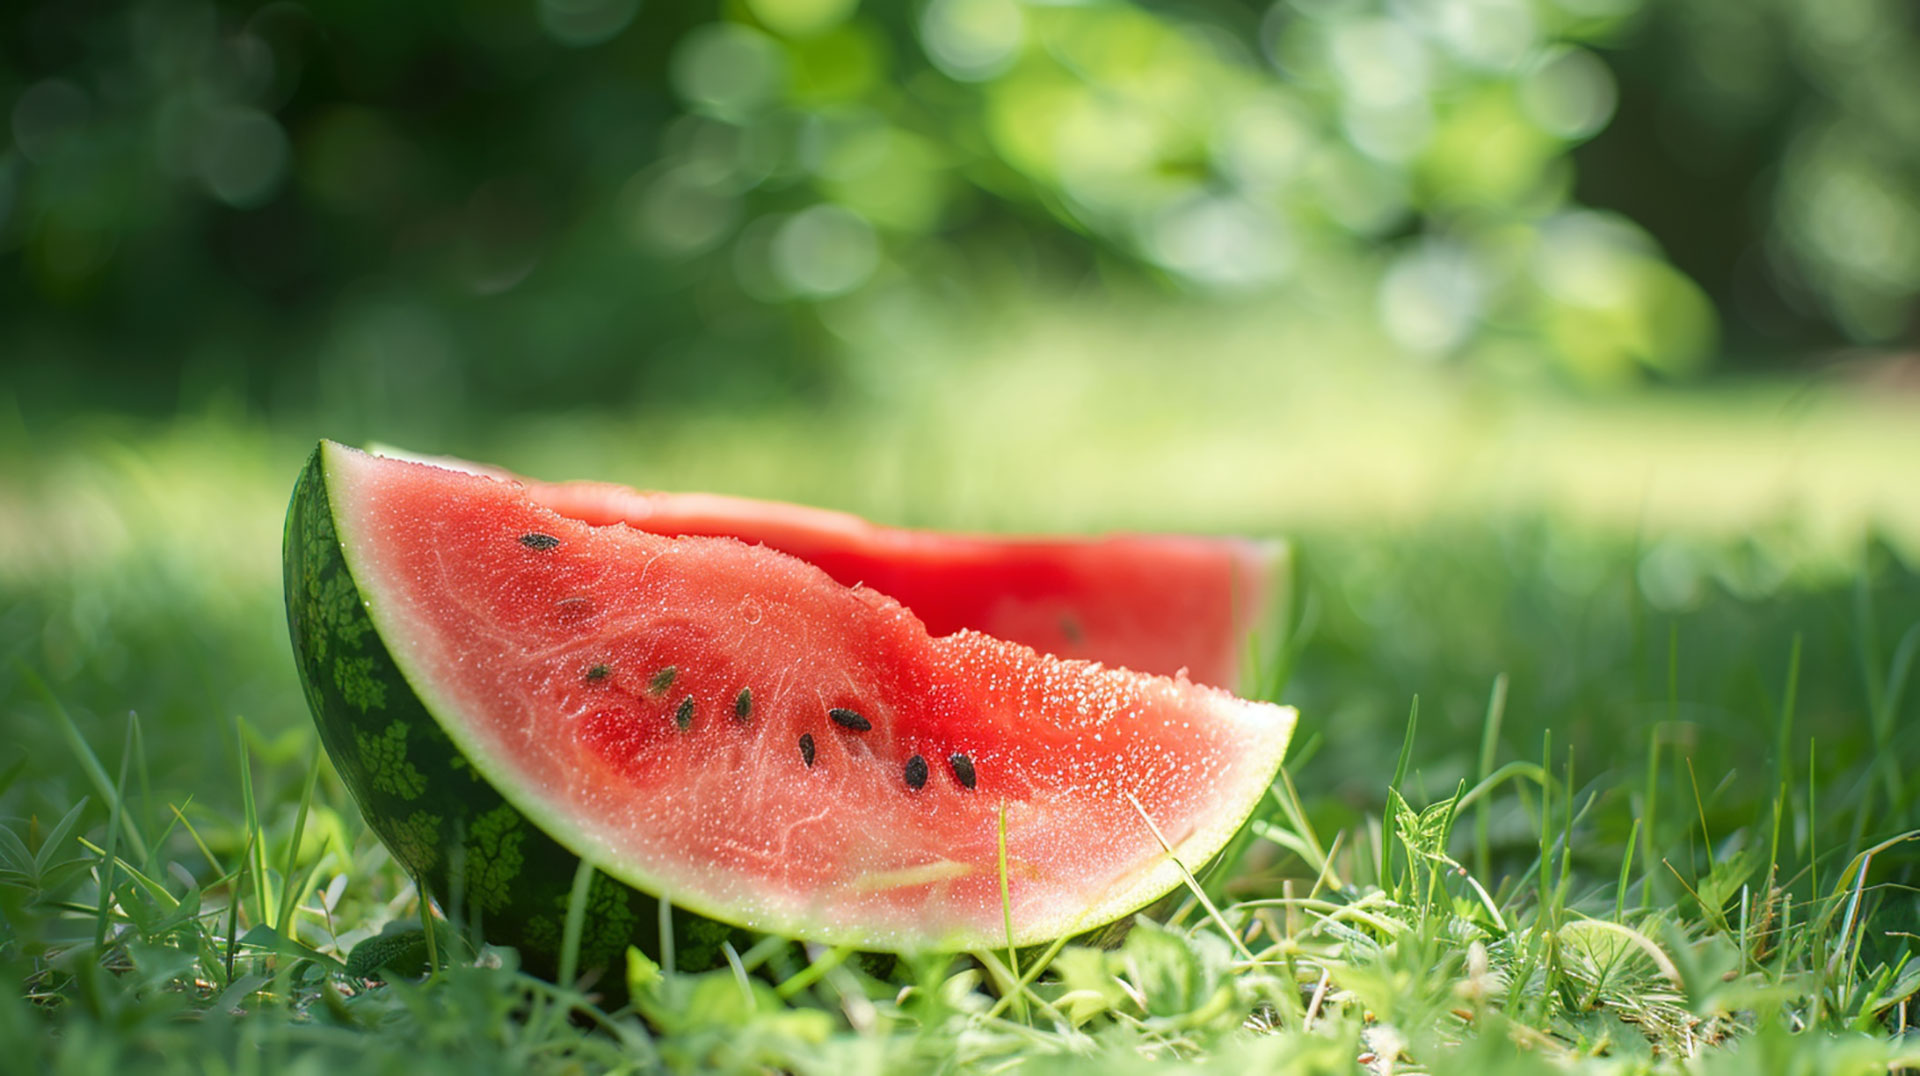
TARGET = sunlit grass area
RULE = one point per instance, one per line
(1648, 817)
(1075, 418)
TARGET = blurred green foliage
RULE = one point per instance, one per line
(1774, 146)
(411, 211)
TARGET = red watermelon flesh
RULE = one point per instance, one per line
(1152, 603)
(731, 728)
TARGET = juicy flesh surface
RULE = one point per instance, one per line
(1152, 603)
(548, 667)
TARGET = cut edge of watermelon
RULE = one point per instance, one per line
(1157, 876)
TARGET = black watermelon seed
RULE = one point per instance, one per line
(663, 680)
(541, 542)
(806, 748)
(743, 704)
(599, 672)
(916, 772)
(962, 769)
(683, 717)
(849, 719)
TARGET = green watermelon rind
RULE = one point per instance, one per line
(370, 731)
(444, 823)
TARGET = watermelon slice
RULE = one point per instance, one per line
(504, 689)
(1162, 604)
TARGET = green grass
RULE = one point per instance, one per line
(1656, 812)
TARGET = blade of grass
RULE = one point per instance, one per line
(1296, 628)
(1858, 868)
(1813, 812)
(1387, 820)
(1650, 812)
(576, 922)
(1700, 807)
(1489, 742)
(1566, 842)
(1885, 715)
(1025, 982)
(667, 955)
(1313, 853)
(816, 968)
(153, 886)
(198, 841)
(1006, 899)
(290, 894)
(36, 862)
(1782, 739)
(1193, 884)
(1653, 759)
(762, 950)
(1867, 651)
(307, 882)
(1783, 768)
(108, 856)
(96, 774)
(739, 974)
(1544, 880)
(1626, 869)
(233, 903)
(1515, 769)
(141, 772)
(1012, 985)
(256, 842)
(1326, 876)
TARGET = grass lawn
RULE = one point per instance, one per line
(1607, 757)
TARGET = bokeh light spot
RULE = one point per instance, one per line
(837, 65)
(1586, 258)
(1265, 144)
(1430, 298)
(824, 251)
(1381, 63)
(1670, 577)
(1221, 242)
(45, 115)
(728, 70)
(1493, 35)
(1105, 152)
(1598, 9)
(676, 213)
(1617, 303)
(242, 155)
(1360, 196)
(1395, 134)
(892, 177)
(972, 40)
(1571, 95)
(580, 23)
(801, 18)
(1487, 153)
(728, 158)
